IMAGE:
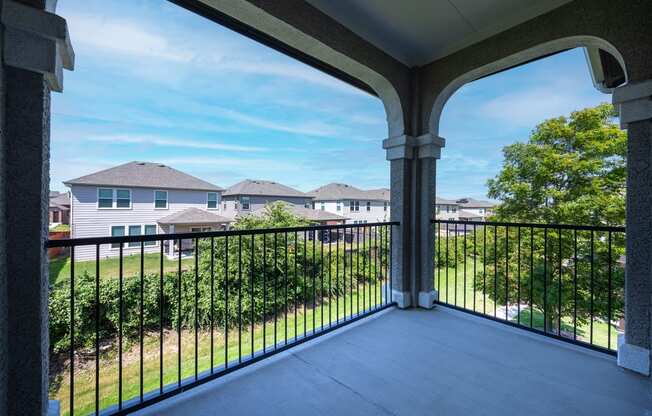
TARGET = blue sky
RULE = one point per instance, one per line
(154, 82)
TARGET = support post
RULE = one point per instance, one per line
(634, 103)
(35, 48)
(412, 188)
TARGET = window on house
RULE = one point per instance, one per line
(123, 198)
(354, 206)
(55, 216)
(357, 206)
(368, 206)
(150, 230)
(105, 198)
(454, 209)
(323, 206)
(224, 206)
(385, 206)
(134, 230)
(212, 200)
(448, 208)
(339, 205)
(245, 203)
(161, 199)
(117, 231)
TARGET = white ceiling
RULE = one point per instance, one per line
(417, 32)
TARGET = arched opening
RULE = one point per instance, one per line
(535, 254)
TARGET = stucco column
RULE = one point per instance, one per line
(35, 49)
(412, 190)
(634, 103)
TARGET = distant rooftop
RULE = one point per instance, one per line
(262, 187)
(475, 203)
(193, 216)
(443, 201)
(337, 191)
(144, 175)
(306, 213)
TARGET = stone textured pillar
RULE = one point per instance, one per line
(412, 188)
(35, 49)
(634, 103)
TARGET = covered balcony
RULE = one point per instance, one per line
(381, 321)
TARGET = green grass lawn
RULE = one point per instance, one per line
(110, 267)
(461, 293)
(85, 368)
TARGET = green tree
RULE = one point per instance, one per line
(570, 171)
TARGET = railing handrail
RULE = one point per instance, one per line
(88, 241)
(606, 228)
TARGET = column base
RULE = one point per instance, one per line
(633, 357)
(427, 299)
(403, 299)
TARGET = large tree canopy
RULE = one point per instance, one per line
(571, 170)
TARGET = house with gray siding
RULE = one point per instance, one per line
(358, 205)
(252, 195)
(141, 198)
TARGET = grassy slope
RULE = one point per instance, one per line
(85, 371)
(60, 269)
(457, 290)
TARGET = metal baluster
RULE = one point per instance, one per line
(330, 276)
(455, 265)
(438, 240)
(484, 269)
(447, 236)
(344, 272)
(72, 327)
(531, 276)
(285, 272)
(475, 257)
(575, 284)
(592, 287)
(314, 280)
(251, 287)
(196, 304)
(464, 252)
(559, 286)
(120, 319)
(337, 277)
(226, 301)
(545, 279)
(305, 283)
(495, 269)
(321, 292)
(239, 298)
(179, 316)
(507, 273)
(97, 329)
(518, 273)
(212, 299)
(609, 289)
(296, 281)
(265, 294)
(391, 294)
(142, 311)
(160, 344)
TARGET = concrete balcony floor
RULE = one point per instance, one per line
(419, 362)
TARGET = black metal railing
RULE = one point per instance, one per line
(136, 321)
(563, 281)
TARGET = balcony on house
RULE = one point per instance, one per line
(401, 317)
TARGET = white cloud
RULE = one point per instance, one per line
(167, 142)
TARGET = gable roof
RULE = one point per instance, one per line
(58, 199)
(261, 187)
(336, 191)
(193, 216)
(144, 175)
(475, 203)
(442, 201)
(306, 213)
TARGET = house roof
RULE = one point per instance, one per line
(467, 215)
(306, 213)
(193, 216)
(443, 201)
(59, 199)
(475, 203)
(144, 175)
(336, 191)
(261, 187)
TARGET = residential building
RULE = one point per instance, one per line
(446, 209)
(359, 206)
(140, 198)
(253, 194)
(59, 208)
(476, 207)
(316, 217)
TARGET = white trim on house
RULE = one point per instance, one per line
(217, 201)
(114, 198)
(167, 199)
(126, 227)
